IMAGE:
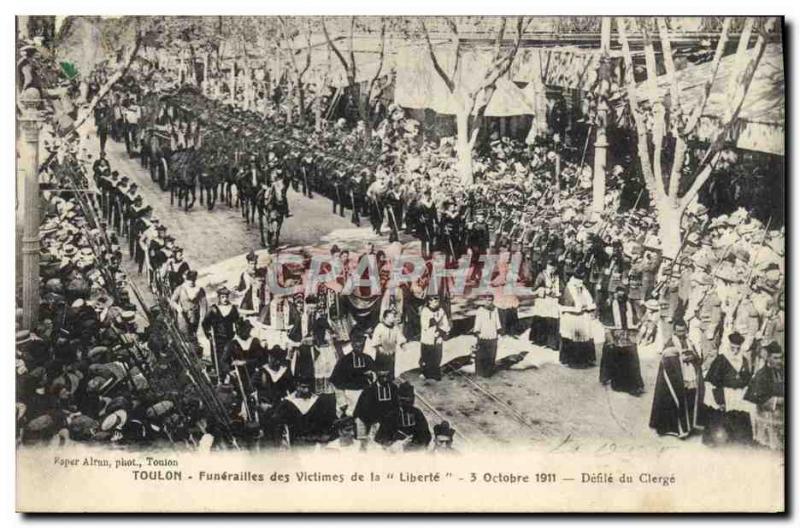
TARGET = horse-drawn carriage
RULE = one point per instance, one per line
(156, 152)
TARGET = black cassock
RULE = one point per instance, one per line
(274, 385)
(619, 363)
(401, 424)
(676, 410)
(350, 372)
(252, 353)
(309, 420)
(734, 423)
(375, 402)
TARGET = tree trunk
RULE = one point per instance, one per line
(463, 148)
(318, 111)
(669, 226)
(363, 115)
(233, 82)
(301, 103)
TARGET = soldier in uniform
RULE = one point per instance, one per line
(477, 239)
(156, 257)
(219, 325)
(426, 222)
(189, 300)
(136, 214)
(102, 171)
(107, 185)
(176, 268)
(338, 183)
(375, 194)
(253, 288)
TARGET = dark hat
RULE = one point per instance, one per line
(405, 391)
(443, 429)
(251, 256)
(736, 338)
(773, 348)
(191, 275)
(223, 291)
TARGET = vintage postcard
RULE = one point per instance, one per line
(400, 264)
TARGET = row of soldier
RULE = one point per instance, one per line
(170, 276)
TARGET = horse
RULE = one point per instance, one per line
(270, 206)
(248, 193)
(209, 181)
(185, 166)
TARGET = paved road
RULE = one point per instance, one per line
(211, 236)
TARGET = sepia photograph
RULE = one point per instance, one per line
(354, 263)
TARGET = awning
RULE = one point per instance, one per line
(418, 85)
(761, 122)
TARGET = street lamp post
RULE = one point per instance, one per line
(28, 168)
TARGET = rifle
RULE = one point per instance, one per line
(215, 357)
(750, 273)
(245, 396)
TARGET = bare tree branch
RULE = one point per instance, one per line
(336, 51)
(380, 62)
(502, 63)
(633, 102)
(712, 153)
(658, 108)
(698, 111)
(457, 38)
(445, 78)
(675, 110)
(112, 80)
(352, 51)
(308, 49)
